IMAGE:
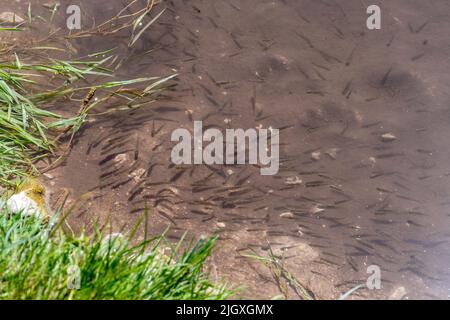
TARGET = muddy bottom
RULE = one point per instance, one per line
(364, 154)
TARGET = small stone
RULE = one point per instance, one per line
(49, 176)
(10, 17)
(137, 174)
(20, 203)
(398, 294)
(230, 172)
(287, 215)
(315, 156)
(189, 113)
(221, 225)
(316, 209)
(332, 153)
(293, 180)
(120, 158)
(51, 4)
(174, 190)
(388, 137)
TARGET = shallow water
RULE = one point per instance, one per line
(312, 69)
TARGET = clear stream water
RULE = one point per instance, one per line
(312, 69)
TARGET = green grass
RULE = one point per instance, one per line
(31, 81)
(28, 131)
(38, 262)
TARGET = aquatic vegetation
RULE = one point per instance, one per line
(282, 276)
(29, 131)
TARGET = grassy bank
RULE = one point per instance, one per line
(35, 262)
(38, 261)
